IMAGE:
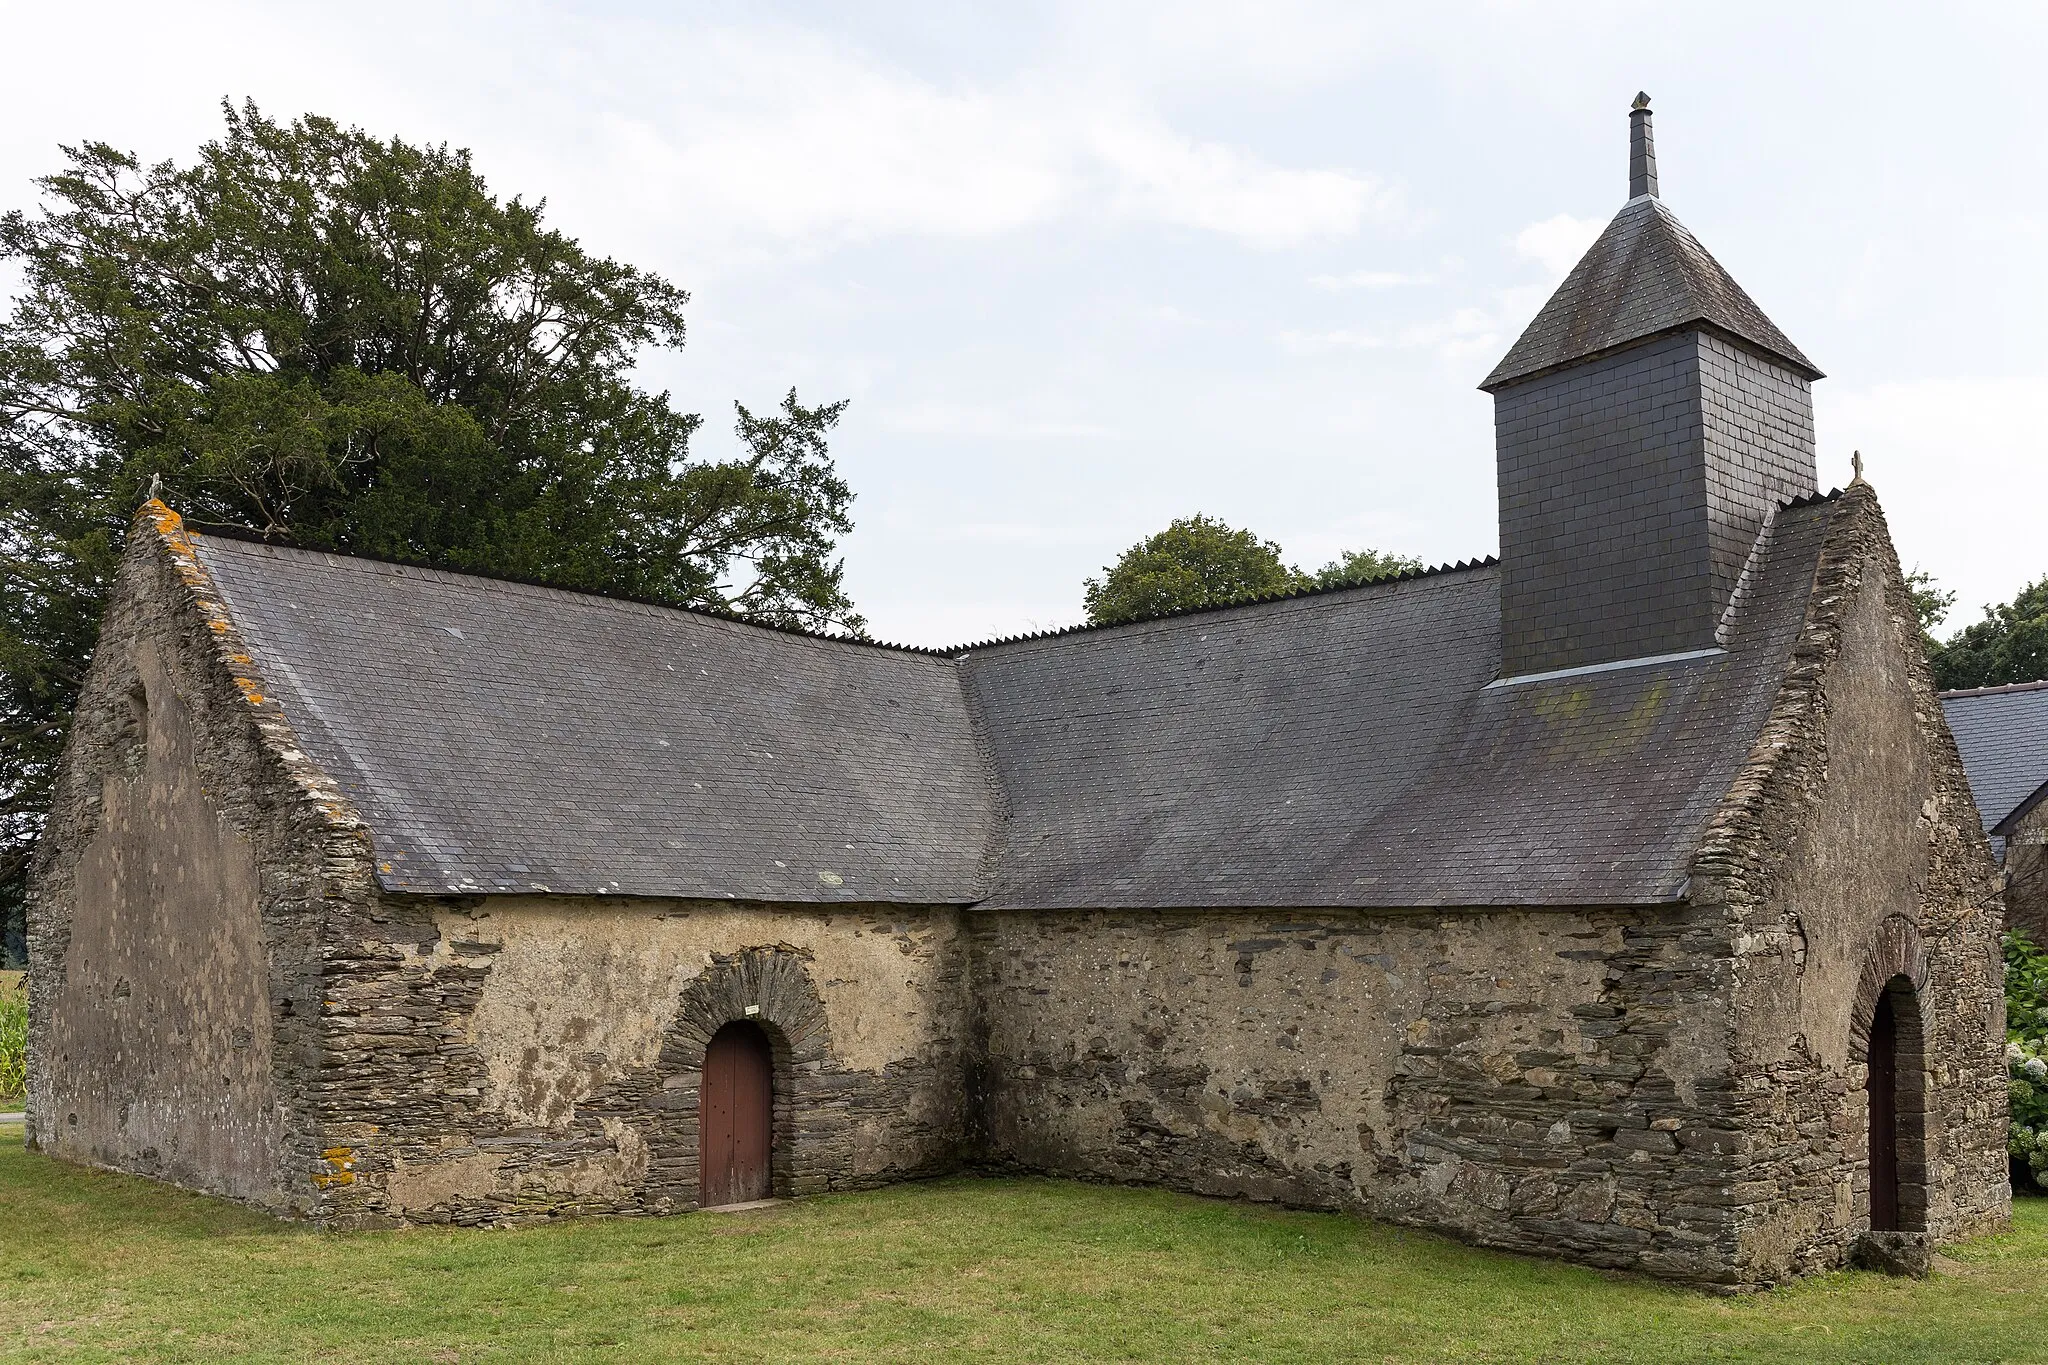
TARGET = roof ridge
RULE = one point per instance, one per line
(1266, 599)
(284, 542)
(2040, 685)
(252, 536)
(1811, 499)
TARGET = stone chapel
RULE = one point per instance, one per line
(1620, 899)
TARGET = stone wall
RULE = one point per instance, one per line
(514, 1057)
(1846, 860)
(1546, 1080)
(1676, 1090)
(2026, 873)
(190, 854)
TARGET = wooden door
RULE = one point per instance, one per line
(1884, 1118)
(737, 1113)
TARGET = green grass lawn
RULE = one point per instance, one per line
(104, 1267)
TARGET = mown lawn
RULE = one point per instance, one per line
(102, 1267)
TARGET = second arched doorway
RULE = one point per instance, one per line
(1884, 1117)
(736, 1110)
(1896, 1096)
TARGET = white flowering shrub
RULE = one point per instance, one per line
(2026, 1057)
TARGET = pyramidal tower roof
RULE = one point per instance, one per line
(1646, 275)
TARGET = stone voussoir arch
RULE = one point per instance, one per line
(1896, 951)
(769, 986)
(772, 987)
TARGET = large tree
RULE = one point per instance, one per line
(1195, 562)
(1199, 561)
(353, 343)
(2009, 645)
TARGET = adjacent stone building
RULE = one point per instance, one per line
(1622, 899)
(2003, 735)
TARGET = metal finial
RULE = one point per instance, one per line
(1642, 150)
(1856, 466)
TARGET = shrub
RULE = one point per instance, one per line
(14, 1038)
(2026, 1056)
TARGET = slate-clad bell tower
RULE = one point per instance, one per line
(1646, 424)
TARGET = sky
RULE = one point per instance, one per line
(1084, 268)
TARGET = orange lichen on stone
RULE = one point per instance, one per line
(168, 523)
(343, 1162)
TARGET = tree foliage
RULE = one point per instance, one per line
(2009, 645)
(1195, 562)
(1931, 602)
(1199, 561)
(1362, 566)
(313, 332)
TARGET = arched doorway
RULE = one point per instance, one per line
(1896, 1091)
(736, 1109)
(1884, 1118)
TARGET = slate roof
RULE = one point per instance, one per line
(1646, 275)
(2002, 734)
(1347, 750)
(500, 737)
(1338, 748)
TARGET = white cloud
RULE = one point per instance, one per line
(1369, 279)
(1193, 44)
(1157, 174)
(1961, 466)
(985, 422)
(785, 135)
(1463, 332)
(1557, 243)
(1336, 339)
(761, 141)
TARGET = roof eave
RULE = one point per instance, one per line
(2005, 827)
(1504, 378)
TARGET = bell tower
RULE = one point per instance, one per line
(1646, 425)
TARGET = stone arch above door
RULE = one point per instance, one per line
(771, 987)
(1896, 951)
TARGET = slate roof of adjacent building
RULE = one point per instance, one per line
(1332, 749)
(2002, 734)
(1646, 275)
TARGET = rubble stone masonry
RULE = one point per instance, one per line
(223, 997)
(1677, 1090)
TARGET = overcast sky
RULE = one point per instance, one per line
(1084, 268)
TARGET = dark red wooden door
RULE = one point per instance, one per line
(737, 1110)
(1884, 1119)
